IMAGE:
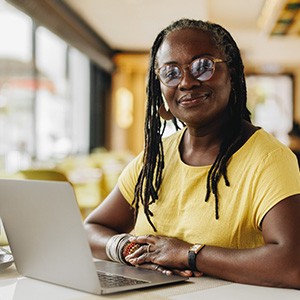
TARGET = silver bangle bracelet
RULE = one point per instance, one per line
(115, 246)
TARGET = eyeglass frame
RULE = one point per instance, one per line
(185, 66)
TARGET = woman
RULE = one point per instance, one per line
(220, 196)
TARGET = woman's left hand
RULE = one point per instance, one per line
(167, 252)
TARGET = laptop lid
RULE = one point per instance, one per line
(36, 216)
(44, 228)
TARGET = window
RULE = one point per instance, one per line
(52, 101)
(270, 100)
(44, 94)
(16, 88)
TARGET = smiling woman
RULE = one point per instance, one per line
(220, 196)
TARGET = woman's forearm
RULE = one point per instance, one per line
(269, 265)
(273, 264)
(98, 236)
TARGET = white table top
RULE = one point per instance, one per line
(15, 287)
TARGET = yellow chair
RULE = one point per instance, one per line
(43, 174)
(82, 191)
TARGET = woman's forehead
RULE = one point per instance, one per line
(184, 44)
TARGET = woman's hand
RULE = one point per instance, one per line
(164, 254)
(167, 271)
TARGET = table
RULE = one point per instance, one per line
(15, 287)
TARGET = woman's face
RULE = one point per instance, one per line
(194, 102)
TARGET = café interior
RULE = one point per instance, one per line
(73, 81)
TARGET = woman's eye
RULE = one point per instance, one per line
(172, 73)
(207, 64)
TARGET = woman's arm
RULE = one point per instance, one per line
(113, 216)
(277, 263)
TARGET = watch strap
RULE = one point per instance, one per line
(192, 255)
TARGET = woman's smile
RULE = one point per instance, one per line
(193, 99)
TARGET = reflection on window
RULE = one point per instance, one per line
(270, 100)
(52, 102)
(16, 89)
(38, 118)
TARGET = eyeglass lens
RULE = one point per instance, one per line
(201, 69)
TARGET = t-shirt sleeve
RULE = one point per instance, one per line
(128, 178)
(277, 178)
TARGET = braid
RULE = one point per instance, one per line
(150, 177)
(238, 112)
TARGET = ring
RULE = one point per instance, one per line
(148, 248)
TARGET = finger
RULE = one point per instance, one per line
(146, 248)
(197, 274)
(187, 273)
(184, 273)
(143, 239)
(156, 267)
(151, 266)
(140, 256)
(138, 260)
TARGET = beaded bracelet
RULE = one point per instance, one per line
(130, 248)
(118, 247)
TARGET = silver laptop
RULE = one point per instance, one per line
(45, 232)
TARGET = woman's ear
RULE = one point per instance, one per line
(164, 110)
(165, 114)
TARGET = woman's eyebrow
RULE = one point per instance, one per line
(202, 55)
(192, 59)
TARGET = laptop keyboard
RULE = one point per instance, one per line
(113, 280)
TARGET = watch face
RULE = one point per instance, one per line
(195, 248)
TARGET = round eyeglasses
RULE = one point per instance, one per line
(202, 69)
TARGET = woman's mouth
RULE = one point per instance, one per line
(193, 98)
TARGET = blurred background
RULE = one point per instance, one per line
(73, 79)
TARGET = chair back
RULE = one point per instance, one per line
(43, 174)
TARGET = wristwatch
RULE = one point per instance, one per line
(193, 251)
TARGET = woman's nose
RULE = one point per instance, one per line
(188, 80)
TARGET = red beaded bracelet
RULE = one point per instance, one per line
(130, 248)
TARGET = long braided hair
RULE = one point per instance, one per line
(150, 176)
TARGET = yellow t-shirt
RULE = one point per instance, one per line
(261, 173)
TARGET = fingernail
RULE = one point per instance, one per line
(187, 272)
